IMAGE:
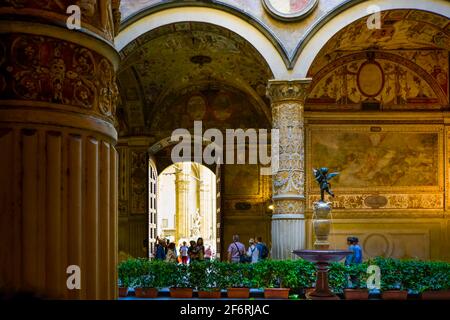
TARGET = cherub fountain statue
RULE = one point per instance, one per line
(321, 255)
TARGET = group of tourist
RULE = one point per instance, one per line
(237, 253)
(166, 250)
(257, 251)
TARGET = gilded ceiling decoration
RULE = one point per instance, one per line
(168, 62)
(402, 66)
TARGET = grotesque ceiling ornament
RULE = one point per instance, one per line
(288, 10)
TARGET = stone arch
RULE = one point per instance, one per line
(267, 45)
(347, 13)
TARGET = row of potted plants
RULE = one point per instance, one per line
(210, 277)
(279, 277)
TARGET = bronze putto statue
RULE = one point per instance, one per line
(322, 177)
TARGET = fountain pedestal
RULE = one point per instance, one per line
(322, 260)
(322, 256)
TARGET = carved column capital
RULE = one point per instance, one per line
(288, 90)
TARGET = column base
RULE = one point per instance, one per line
(288, 234)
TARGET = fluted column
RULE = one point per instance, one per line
(182, 203)
(58, 169)
(288, 224)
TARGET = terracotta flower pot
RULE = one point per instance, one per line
(394, 295)
(356, 294)
(209, 294)
(181, 292)
(238, 293)
(123, 291)
(276, 293)
(436, 295)
(146, 292)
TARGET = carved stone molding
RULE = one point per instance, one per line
(99, 16)
(281, 90)
(384, 214)
(48, 70)
(392, 201)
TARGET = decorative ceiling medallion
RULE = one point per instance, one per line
(196, 107)
(370, 79)
(288, 10)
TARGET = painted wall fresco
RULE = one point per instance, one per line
(400, 30)
(215, 108)
(411, 51)
(175, 60)
(381, 159)
(384, 77)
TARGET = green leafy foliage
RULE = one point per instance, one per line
(358, 275)
(283, 274)
(413, 275)
(392, 277)
(207, 275)
(337, 277)
(179, 275)
(237, 275)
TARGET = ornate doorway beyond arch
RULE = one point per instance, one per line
(186, 202)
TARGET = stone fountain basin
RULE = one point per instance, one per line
(322, 255)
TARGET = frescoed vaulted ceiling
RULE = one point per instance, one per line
(191, 59)
(402, 66)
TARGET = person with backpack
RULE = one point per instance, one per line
(236, 251)
(253, 252)
(262, 249)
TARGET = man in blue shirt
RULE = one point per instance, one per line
(357, 251)
(354, 258)
(349, 258)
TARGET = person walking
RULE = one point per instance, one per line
(358, 256)
(349, 258)
(236, 250)
(262, 249)
(253, 252)
(171, 253)
(200, 250)
(184, 253)
(354, 258)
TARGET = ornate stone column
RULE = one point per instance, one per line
(288, 224)
(58, 169)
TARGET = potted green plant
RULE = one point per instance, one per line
(436, 281)
(207, 279)
(392, 285)
(337, 277)
(180, 280)
(304, 278)
(357, 286)
(237, 279)
(152, 277)
(125, 276)
(275, 277)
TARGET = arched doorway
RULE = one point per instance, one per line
(186, 202)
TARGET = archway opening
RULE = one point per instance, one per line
(186, 202)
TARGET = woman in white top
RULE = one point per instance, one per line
(253, 251)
